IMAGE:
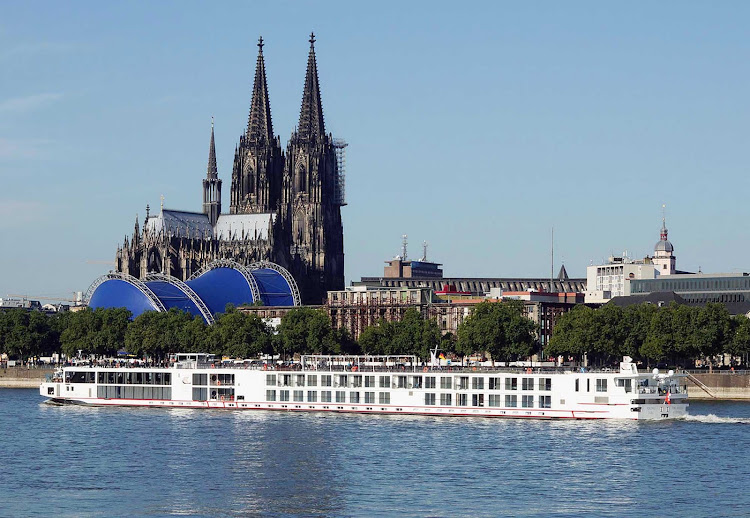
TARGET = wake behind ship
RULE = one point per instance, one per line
(378, 385)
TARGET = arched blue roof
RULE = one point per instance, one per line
(121, 293)
(274, 288)
(206, 294)
(173, 297)
(222, 286)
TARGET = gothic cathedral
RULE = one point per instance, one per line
(284, 207)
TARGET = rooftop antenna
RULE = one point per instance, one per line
(404, 242)
(552, 260)
(424, 251)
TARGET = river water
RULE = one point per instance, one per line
(76, 461)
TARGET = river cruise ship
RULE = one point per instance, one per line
(377, 385)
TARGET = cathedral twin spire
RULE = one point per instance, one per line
(259, 125)
(311, 126)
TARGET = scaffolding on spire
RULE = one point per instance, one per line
(339, 191)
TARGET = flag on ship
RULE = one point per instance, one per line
(668, 399)
(442, 356)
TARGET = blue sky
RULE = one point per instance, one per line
(476, 126)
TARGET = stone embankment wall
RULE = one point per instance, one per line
(21, 377)
(721, 385)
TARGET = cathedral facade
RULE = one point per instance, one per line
(285, 207)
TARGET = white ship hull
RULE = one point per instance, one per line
(418, 391)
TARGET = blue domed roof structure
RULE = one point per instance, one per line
(206, 293)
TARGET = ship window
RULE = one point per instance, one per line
(401, 381)
(417, 382)
(588, 385)
(283, 395)
(511, 384)
(577, 384)
(356, 381)
(325, 380)
(385, 381)
(601, 384)
(120, 378)
(370, 397)
(312, 380)
(128, 392)
(343, 381)
(158, 378)
(445, 399)
(384, 398)
(546, 401)
(462, 400)
(286, 381)
(168, 381)
(494, 400)
(270, 395)
(270, 379)
(137, 392)
(511, 400)
(429, 382)
(477, 400)
(201, 393)
(353, 397)
(298, 395)
(200, 379)
(462, 383)
(370, 382)
(477, 384)
(495, 384)
(111, 377)
(300, 380)
(527, 383)
(100, 377)
(429, 398)
(527, 401)
(446, 382)
(340, 396)
(325, 396)
(545, 383)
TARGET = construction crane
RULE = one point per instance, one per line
(77, 300)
